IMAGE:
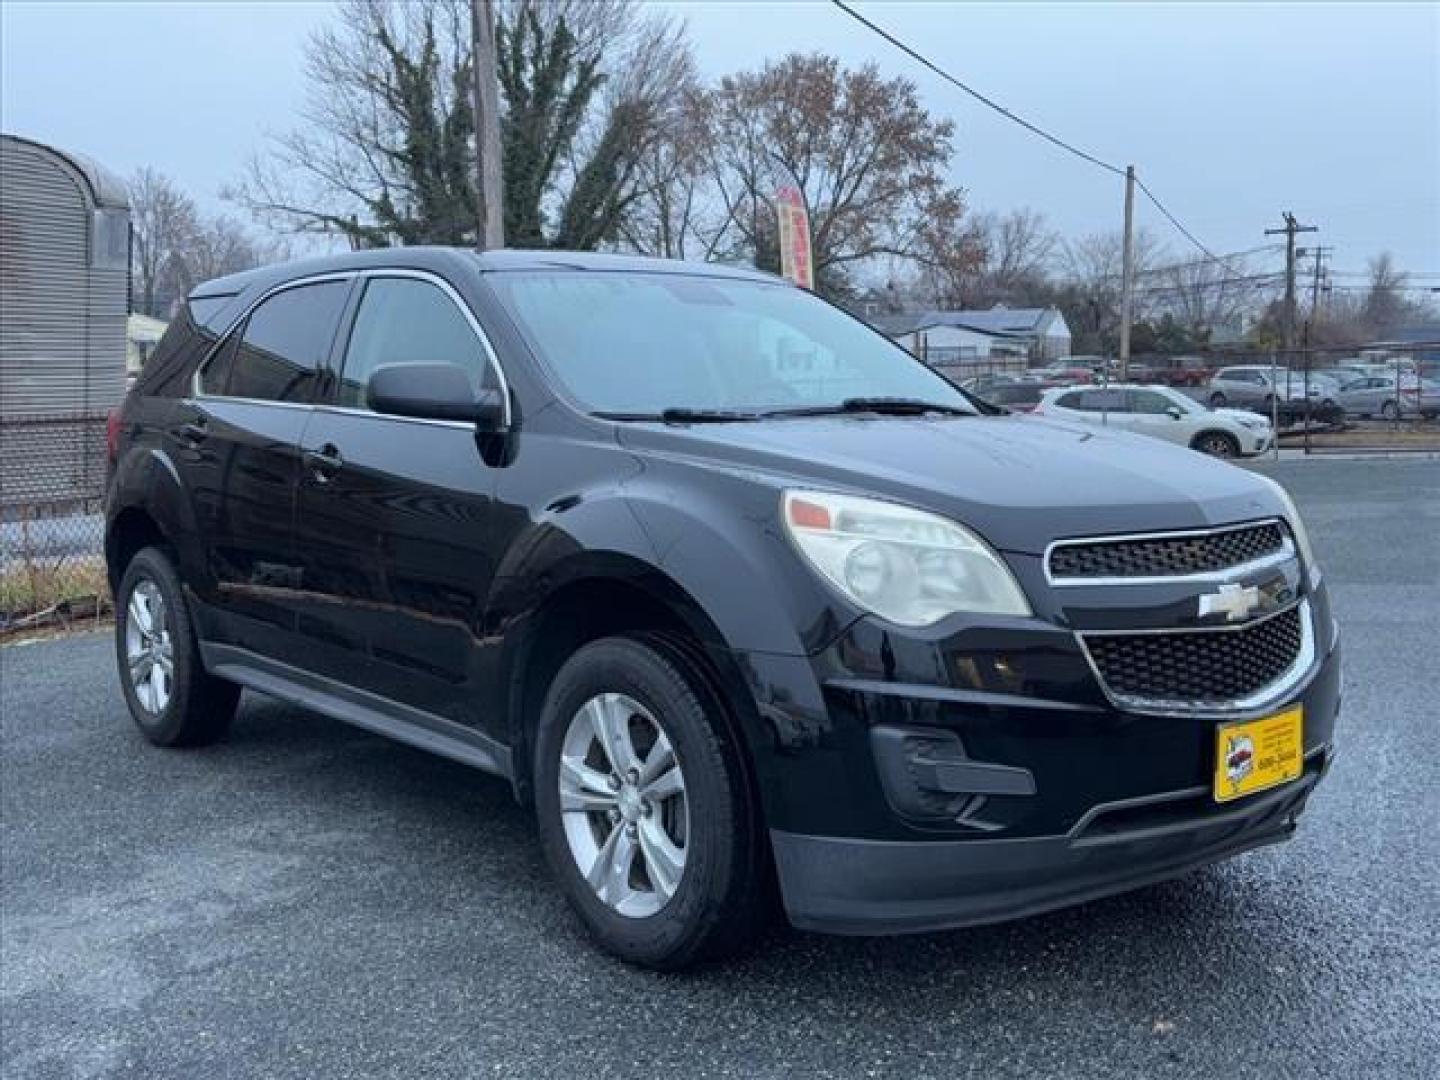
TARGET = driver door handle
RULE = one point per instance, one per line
(324, 463)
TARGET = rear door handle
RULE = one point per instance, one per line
(194, 432)
(324, 463)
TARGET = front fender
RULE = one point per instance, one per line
(717, 557)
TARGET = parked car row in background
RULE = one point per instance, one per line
(1241, 398)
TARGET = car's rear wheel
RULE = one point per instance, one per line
(1218, 400)
(1217, 444)
(1390, 410)
(644, 811)
(171, 697)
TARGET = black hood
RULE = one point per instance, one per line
(1018, 481)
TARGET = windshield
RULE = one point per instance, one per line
(637, 343)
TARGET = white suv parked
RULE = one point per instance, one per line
(1163, 413)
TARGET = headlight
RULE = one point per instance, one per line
(1297, 529)
(905, 565)
(1254, 423)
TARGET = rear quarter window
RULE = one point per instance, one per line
(171, 367)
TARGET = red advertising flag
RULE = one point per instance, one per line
(794, 224)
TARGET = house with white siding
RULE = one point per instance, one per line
(949, 337)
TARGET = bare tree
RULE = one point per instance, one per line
(1202, 296)
(675, 214)
(994, 259)
(164, 222)
(385, 151)
(867, 156)
(222, 245)
(1019, 248)
(1089, 290)
(1385, 307)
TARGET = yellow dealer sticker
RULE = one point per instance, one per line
(1257, 754)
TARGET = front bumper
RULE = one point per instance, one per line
(847, 886)
(1069, 797)
(1257, 442)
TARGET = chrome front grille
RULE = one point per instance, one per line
(1213, 668)
(1167, 555)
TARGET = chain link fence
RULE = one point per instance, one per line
(1330, 399)
(52, 480)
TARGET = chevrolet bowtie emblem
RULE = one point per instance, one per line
(1233, 601)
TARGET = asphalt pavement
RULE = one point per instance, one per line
(307, 900)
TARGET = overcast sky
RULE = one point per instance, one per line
(1231, 113)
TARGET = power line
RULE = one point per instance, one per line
(1368, 274)
(1151, 271)
(1026, 124)
(1258, 280)
(987, 102)
(1176, 221)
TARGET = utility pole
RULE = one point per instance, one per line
(1127, 274)
(1290, 228)
(491, 216)
(1319, 253)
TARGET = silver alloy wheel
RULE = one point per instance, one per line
(149, 655)
(623, 804)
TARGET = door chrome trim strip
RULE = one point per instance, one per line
(199, 394)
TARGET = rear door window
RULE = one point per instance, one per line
(277, 354)
(1148, 401)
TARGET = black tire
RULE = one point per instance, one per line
(720, 902)
(1390, 410)
(1218, 400)
(1219, 444)
(199, 707)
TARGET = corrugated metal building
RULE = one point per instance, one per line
(64, 297)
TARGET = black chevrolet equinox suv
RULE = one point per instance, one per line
(747, 603)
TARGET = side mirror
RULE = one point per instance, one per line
(1173, 411)
(433, 392)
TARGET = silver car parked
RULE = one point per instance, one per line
(1371, 395)
(1253, 387)
(1388, 397)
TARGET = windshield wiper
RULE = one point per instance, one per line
(884, 406)
(681, 415)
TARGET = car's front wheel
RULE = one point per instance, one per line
(644, 811)
(172, 698)
(1217, 444)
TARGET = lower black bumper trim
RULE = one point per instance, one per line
(850, 886)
